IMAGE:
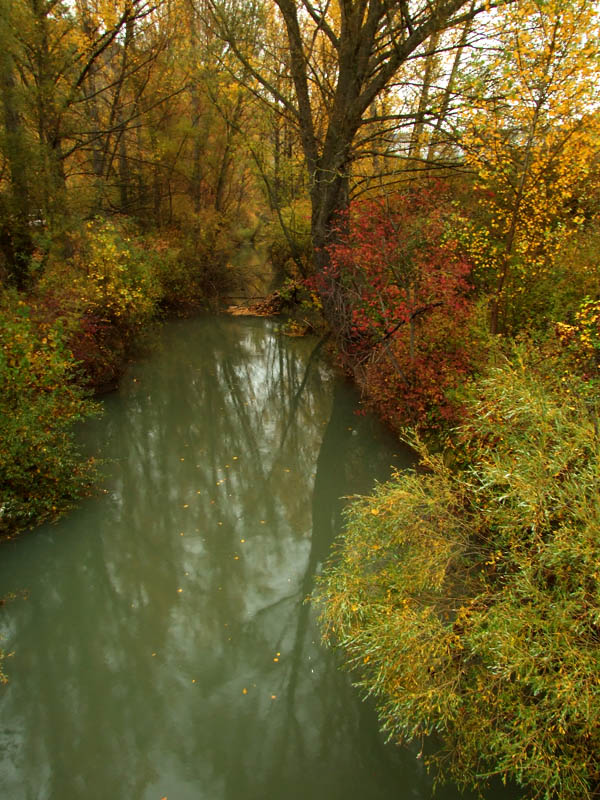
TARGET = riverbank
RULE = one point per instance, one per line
(70, 336)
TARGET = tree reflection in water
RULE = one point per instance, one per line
(165, 648)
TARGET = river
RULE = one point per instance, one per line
(160, 645)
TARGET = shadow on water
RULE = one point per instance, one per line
(165, 648)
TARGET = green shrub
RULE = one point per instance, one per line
(468, 602)
(41, 470)
(105, 294)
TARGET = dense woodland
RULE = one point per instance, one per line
(424, 181)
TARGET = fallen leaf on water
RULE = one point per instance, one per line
(186, 505)
(244, 691)
(180, 590)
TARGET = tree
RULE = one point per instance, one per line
(533, 142)
(363, 44)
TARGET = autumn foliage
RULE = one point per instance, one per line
(402, 281)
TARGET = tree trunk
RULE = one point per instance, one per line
(17, 236)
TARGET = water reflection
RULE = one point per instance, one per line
(165, 648)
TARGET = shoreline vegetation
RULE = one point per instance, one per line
(433, 204)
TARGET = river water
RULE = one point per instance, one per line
(159, 643)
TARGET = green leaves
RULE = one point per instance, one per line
(469, 603)
(41, 471)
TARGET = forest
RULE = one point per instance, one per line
(423, 181)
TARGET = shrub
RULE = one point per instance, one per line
(41, 471)
(468, 602)
(400, 282)
(105, 294)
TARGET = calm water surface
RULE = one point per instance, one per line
(160, 643)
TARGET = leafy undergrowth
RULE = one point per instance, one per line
(468, 601)
(42, 472)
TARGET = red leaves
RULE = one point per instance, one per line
(406, 285)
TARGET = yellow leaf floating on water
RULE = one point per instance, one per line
(244, 691)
